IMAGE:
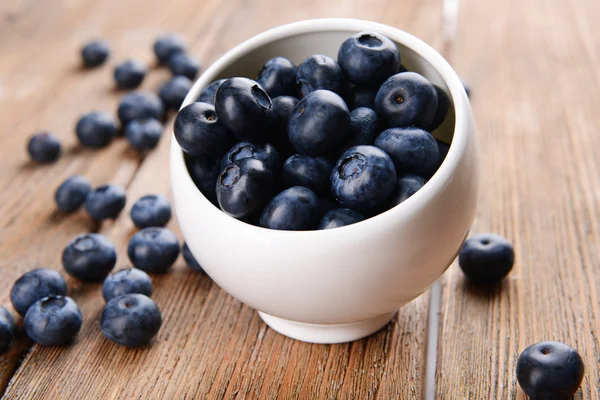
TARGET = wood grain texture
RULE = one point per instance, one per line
(210, 345)
(536, 79)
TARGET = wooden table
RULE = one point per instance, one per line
(535, 71)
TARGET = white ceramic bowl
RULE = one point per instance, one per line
(341, 284)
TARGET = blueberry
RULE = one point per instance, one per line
(442, 152)
(7, 329)
(486, 258)
(364, 127)
(294, 209)
(200, 131)
(319, 124)
(284, 107)
(89, 257)
(44, 147)
(95, 53)
(96, 129)
(204, 172)
(263, 152)
(550, 371)
(406, 99)
(363, 177)
(53, 321)
(442, 109)
(105, 202)
(131, 320)
(406, 186)
(126, 281)
(327, 204)
(208, 94)
(338, 218)
(167, 45)
(153, 249)
(413, 150)
(151, 210)
(245, 109)
(173, 92)
(320, 72)
(244, 187)
(71, 194)
(363, 96)
(34, 285)
(369, 58)
(140, 105)
(182, 64)
(189, 258)
(130, 74)
(307, 171)
(143, 134)
(278, 77)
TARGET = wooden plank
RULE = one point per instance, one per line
(534, 68)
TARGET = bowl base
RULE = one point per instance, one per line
(326, 334)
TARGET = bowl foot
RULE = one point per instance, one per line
(327, 334)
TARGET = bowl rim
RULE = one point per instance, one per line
(413, 204)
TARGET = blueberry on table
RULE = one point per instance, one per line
(131, 320)
(369, 58)
(208, 94)
(7, 329)
(363, 96)
(126, 281)
(200, 132)
(89, 257)
(204, 172)
(71, 194)
(284, 107)
(363, 178)
(364, 127)
(53, 321)
(44, 147)
(34, 285)
(143, 134)
(486, 258)
(105, 202)
(442, 109)
(130, 74)
(189, 258)
(550, 371)
(181, 64)
(95, 53)
(244, 187)
(173, 92)
(307, 171)
(319, 124)
(140, 105)
(294, 209)
(338, 218)
(263, 152)
(151, 210)
(96, 129)
(320, 72)
(278, 77)
(167, 45)
(406, 186)
(153, 249)
(406, 99)
(413, 150)
(245, 109)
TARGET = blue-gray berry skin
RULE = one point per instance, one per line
(153, 249)
(204, 172)
(95, 53)
(208, 94)
(182, 64)
(71, 194)
(53, 321)
(34, 285)
(173, 92)
(406, 186)
(264, 152)
(167, 45)
(130, 73)
(44, 147)
(140, 105)
(364, 127)
(413, 150)
(131, 320)
(442, 153)
(550, 371)
(143, 134)
(307, 171)
(486, 258)
(278, 77)
(89, 257)
(96, 129)
(362, 96)
(441, 111)
(151, 210)
(338, 218)
(7, 329)
(284, 107)
(126, 281)
(189, 258)
(320, 72)
(105, 202)
(294, 209)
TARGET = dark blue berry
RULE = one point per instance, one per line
(363, 178)
(442, 152)
(244, 187)
(406, 99)
(278, 77)
(363, 96)
(126, 281)
(413, 150)
(53, 321)
(368, 58)
(151, 210)
(204, 172)
(294, 209)
(200, 131)
(182, 64)
(105, 202)
(153, 249)
(327, 204)
(338, 218)
(263, 152)
(173, 92)
(364, 127)
(284, 107)
(167, 45)
(89, 257)
(307, 171)
(320, 72)
(442, 109)
(319, 124)
(189, 258)
(96, 129)
(140, 105)
(130, 74)
(131, 320)
(71, 194)
(7, 329)
(34, 285)
(486, 258)
(95, 53)
(208, 94)
(44, 147)
(245, 109)
(143, 134)
(406, 186)
(550, 371)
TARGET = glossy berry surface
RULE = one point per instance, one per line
(338, 218)
(204, 172)
(307, 171)
(89, 257)
(71, 194)
(140, 105)
(7, 329)
(362, 96)
(200, 132)
(131, 320)
(130, 74)
(209, 92)
(153, 249)
(143, 134)
(53, 321)
(406, 186)
(278, 77)
(105, 202)
(263, 152)
(441, 110)
(320, 72)
(95, 53)
(550, 371)
(413, 150)
(167, 45)
(364, 127)
(486, 258)
(181, 64)
(126, 281)
(189, 258)
(34, 285)
(151, 210)
(44, 147)
(294, 209)
(96, 129)
(284, 107)
(173, 92)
